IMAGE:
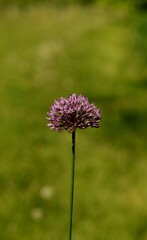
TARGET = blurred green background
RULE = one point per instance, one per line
(49, 50)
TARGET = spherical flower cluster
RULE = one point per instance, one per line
(73, 112)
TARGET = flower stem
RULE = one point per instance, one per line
(72, 185)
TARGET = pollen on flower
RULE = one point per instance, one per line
(73, 112)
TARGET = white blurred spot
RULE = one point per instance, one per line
(47, 192)
(37, 214)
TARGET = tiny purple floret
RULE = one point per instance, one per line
(73, 112)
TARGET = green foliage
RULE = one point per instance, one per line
(24, 3)
(140, 4)
(48, 53)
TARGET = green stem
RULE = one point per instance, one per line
(72, 184)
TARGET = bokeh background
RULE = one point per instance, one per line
(50, 49)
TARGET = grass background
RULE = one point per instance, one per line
(49, 52)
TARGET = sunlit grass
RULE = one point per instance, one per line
(48, 53)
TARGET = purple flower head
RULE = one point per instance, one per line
(73, 112)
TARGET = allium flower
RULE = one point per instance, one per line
(69, 114)
(73, 112)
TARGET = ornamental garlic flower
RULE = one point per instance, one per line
(73, 112)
